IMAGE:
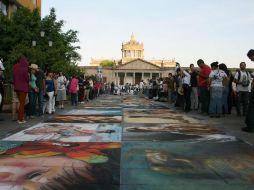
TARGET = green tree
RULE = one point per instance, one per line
(24, 26)
(107, 63)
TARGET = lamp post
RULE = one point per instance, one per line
(41, 41)
(42, 34)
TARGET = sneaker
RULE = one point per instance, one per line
(21, 122)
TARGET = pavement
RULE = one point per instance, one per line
(126, 142)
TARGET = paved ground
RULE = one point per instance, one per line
(126, 142)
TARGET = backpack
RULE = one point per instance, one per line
(245, 81)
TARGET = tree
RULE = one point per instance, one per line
(24, 26)
(107, 63)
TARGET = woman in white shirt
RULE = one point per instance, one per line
(216, 90)
(186, 89)
(61, 90)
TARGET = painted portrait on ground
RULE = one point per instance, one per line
(169, 118)
(85, 119)
(56, 165)
(109, 111)
(172, 132)
(141, 112)
(70, 132)
(106, 103)
(181, 163)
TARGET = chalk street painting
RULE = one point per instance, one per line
(57, 165)
(182, 163)
(106, 103)
(171, 132)
(85, 119)
(110, 112)
(128, 111)
(70, 132)
(146, 118)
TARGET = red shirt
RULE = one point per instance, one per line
(204, 75)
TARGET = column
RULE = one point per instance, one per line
(142, 78)
(134, 75)
(117, 78)
(124, 78)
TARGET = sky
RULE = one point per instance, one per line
(186, 30)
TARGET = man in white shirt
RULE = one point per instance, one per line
(1, 86)
(249, 120)
(186, 77)
(242, 80)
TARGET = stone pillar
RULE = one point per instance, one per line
(142, 78)
(124, 78)
(117, 79)
(134, 75)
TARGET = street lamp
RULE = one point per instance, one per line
(43, 43)
(42, 34)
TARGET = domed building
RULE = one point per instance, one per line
(132, 68)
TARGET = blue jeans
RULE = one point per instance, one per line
(249, 116)
(74, 99)
(32, 103)
(204, 99)
(225, 99)
(215, 100)
(40, 102)
(242, 98)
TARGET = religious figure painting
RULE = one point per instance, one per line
(171, 132)
(181, 163)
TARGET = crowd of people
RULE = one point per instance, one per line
(35, 93)
(212, 89)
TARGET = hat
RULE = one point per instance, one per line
(34, 66)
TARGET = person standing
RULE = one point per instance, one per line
(216, 90)
(194, 87)
(87, 89)
(61, 90)
(40, 83)
(242, 80)
(21, 82)
(1, 87)
(50, 91)
(171, 88)
(203, 76)
(226, 89)
(186, 77)
(74, 91)
(249, 120)
(33, 90)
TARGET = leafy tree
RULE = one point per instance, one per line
(24, 26)
(107, 63)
